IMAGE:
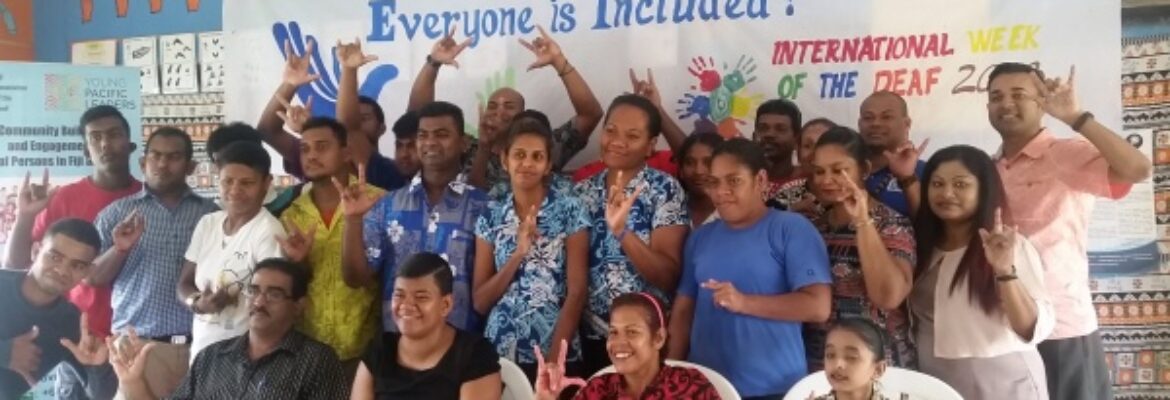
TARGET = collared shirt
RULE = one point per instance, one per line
(884, 186)
(83, 199)
(527, 313)
(611, 274)
(380, 171)
(567, 141)
(340, 316)
(300, 368)
(403, 223)
(670, 383)
(558, 183)
(144, 291)
(1051, 187)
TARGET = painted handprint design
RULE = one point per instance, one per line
(720, 96)
(324, 90)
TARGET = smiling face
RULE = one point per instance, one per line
(242, 189)
(626, 141)
(419, 306)
(884, 123)
(832, 166)
(849, 364)
(632, 344)
(777, 136)
(440, 143)
(1013, 104)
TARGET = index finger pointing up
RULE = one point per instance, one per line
(998, 220)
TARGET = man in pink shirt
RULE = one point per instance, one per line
(1051, 185)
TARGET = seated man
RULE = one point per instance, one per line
(271, 361)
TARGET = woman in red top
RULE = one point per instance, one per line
(636, 345)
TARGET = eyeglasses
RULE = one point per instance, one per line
(271, 295)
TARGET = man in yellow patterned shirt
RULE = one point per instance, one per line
(345, 318)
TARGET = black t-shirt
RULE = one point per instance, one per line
(54, 322)
(470, 357)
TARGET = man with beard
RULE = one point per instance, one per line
(271, 361)
(776, 131)
(885, 126)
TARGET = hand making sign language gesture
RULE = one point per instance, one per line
(129, 231)
(618, 206)
(33, 198)
(999, 246)
(903, 161)
(296, 68)
(550, 376)
(646, 88)
(355, 199)
(89, 350)
(1058, 97)
(128, 355)
(24, 355)
(350, 55)
(295, 116)
(725, 295)
(446, 50)
(527, 233)
(547, 52)
(856, 201)
(296, 243)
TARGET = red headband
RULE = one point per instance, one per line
(657, 308)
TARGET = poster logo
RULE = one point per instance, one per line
(720, 96)
(63, 92)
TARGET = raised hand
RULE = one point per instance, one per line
(856, 202)
(213, 301)
(1059, 97)
(527, 233)
(355, 199)
(725, 295)
(547, 51)
(489, 128)
(295, 116)
(351, 56)
(903, 161)
(550, 376)
(618, 205)
(296, 243)
(128, 356)
(90, 350)
(296, 68)
(999, 245)
(25, 356)
(129, 231)
(446, 50)
(646, 88)
(32, 199)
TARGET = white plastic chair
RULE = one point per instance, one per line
(516, 385)
(721, 384)
(895, 383)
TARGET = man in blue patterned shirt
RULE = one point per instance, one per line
(436, 213)
(144, 236)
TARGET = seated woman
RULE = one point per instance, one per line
(978, 302)
(749, 281)
(637, 346)
(694, 170)
(871, 248)
(429, 359)
(531, 256)
(854, 360)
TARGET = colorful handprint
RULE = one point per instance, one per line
(704, 69)
(324, 90)
(721, 99)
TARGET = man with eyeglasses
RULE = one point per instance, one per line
(271, 361)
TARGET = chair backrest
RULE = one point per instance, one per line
(896, 384)
(721, 384)
(516, 385)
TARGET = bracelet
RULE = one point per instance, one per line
(436, 64)
(568, 69)
(907, 181)
(1007, 277)
(858, 225)
(1080, 122)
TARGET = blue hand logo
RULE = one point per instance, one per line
(324, 90)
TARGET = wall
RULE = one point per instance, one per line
(59, 23)
(16, 30)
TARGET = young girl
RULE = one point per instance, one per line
(854, 360)
(979, 303)
(694, 159)
(636, 344)
(531, 256)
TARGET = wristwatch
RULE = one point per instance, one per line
(191, 300)
(433, 62)
(1007, 277)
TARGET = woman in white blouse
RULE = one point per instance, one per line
(978, 301)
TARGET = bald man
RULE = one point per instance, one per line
(486, 170)
(894, 165)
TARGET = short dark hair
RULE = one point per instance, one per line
(298, 273)
(423, 264)
(98, 112)
(77, 229)
(227, 134)
(173, 132)
(848, 139)
(406, 127)
(534, 115)
(378, 113)
(653, 119)
(747, 152)
(529, 127)
(337, 128)
(870, 333)
(249, 154)
(437, 109)
(1012, 68)
(709, 139)
(780, 107)
(827, 123)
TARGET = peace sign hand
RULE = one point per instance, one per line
(1059, 97)
(351, 55)
(446, 49)
(90, 351)
(296, 68)
(129, 231)
(903, 161)
(354, 198)
(527, 233)
(856, 200)
(296, 244)
(32, 199)
(547, 51)
(999, 245)
(618, 205)
(295, 116)
(646, 88)
(128, 356)
(550, 376)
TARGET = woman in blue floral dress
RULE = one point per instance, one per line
(531, 258)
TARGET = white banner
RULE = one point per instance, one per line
(714, 60)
